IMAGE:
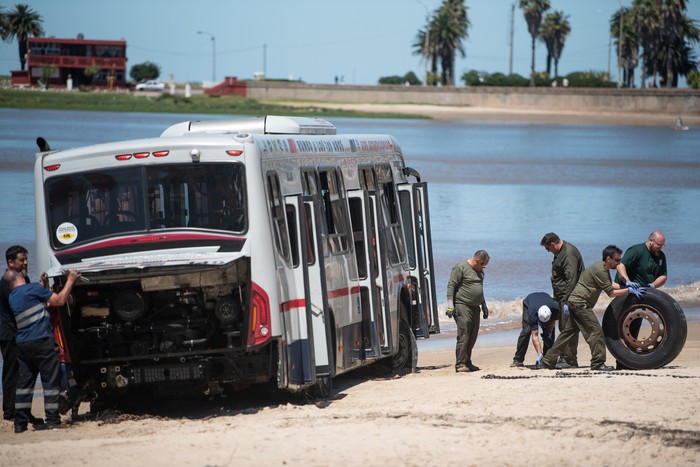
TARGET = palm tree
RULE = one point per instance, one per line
(21, 23)
(555, 28)
(448, 26)
(627, 44)
(533, 10)
(646, 20)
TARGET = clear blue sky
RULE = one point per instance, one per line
(316, 40)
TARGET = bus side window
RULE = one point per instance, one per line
(292, 230)
(335, 210)
(358, 233)
(277, 214)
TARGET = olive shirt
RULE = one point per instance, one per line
(567, 267)
(642, 267)
(593, 280)
(466, 285)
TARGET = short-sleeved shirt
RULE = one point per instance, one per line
(567, 267)
(28, 304)
(642, 267)
(8, 327)
(532, 304)
(466, 285)
(593, 280)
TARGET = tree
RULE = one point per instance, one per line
(627, 44)
(20, 24)
(442, 38)
(144, 71)
(4, 32)
(555, 28)
(533, 10)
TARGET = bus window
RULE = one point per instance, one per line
(358, 233)
(309, 182)
(276, 206)
(94, 204)
(293, 238)
(310, 250)
(207, 196)
(407, 216)
(389, 213)
(367, 181)
(335, 210)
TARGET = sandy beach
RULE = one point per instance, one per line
(530, 115)
(496, 416)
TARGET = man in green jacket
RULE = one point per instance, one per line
(465, 294)
(595, 278)
(567, 267)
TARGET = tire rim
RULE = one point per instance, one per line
(656, 323)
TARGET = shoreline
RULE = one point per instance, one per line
(494, 114)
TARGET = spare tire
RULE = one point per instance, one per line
(653, 348)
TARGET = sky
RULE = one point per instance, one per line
(357, 41)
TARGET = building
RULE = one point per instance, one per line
(87, 62)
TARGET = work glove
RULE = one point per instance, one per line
(651, 286)
(637, 292)
(565, 310)
(632, 285)
(538, 362)
(484, 310)
(450, 312)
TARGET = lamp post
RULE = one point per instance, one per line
(213, 54)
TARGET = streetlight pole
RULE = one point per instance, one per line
(213, 54)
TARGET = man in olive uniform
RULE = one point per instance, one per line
(465, 294)
(644, 265)
(567, 267)
(594, 279)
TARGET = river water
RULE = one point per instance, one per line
(497, 186)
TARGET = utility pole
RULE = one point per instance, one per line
(512, 27)
(265, 60)
(213, 54)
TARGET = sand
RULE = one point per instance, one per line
(496, 416)
(531, 115)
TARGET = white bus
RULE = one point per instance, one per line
(227, 253)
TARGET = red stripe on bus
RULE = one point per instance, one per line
(298, 303)
(146, 239)
(343, 292)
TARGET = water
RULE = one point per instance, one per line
(496, 186)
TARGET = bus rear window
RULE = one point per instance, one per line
(86, 206)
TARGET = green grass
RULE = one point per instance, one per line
(166, 103)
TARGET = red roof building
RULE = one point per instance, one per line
(61, 59)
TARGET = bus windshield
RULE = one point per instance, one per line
(89, 205)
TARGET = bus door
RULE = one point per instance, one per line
(308, 318)
(362, 219)
(413, 199)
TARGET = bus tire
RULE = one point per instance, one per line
(323, 389)
(654, 348)
(406, 358)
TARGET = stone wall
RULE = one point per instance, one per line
(671, 101)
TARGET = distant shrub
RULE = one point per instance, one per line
(693, 79)
(589, 79)
(482, 78)
(409, 78)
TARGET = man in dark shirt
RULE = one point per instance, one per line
(17, 260)
(539, 310)
(37, 350)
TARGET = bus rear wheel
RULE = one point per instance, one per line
(406, 358)
(662, 334)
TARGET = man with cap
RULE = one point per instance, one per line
(539, 311)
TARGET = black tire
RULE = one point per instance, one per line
(665, 339)
(323, 389)
(406, 358)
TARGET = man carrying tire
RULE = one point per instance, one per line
(595, 278)
(643, 265)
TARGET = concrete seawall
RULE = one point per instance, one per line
(684, 102)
